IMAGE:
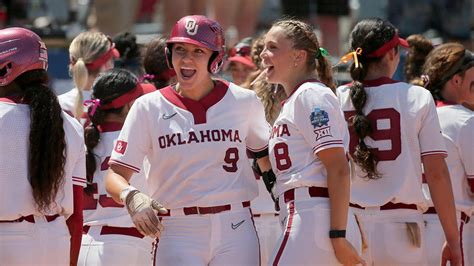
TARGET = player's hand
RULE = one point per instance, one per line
(345, 252)
(451, 253)
(142, 210)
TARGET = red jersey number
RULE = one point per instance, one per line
(282, 156)
(90, 200)
(231, 158)
(392, 133)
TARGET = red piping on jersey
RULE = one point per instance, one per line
(297, 87)
(197, 108)
(110, 127)
(376, 82)
(131, 167)
(444, 103)
(12, 99)
(461, 227)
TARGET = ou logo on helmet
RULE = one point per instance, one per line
(191, 26)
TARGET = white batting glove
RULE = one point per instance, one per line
(142, 211)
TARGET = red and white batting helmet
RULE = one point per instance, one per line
(21, 50)
(200, 31)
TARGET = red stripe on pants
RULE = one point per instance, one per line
(460, 239)
(287, 234)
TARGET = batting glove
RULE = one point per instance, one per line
(142, 211)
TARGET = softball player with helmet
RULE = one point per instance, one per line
(195, 137)
(394, 130)
(42, 161)
(449, 75)
(110, 238)
(308, 152)
(90, 53)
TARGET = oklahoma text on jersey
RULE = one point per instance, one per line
(214, 135)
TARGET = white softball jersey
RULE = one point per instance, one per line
(405, 128)
(68, 101)
(457, 125)
(310, 121)
(99, 207)
(16, 193)
(196, 149)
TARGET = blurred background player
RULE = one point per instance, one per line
(130, 55)
(43, 160)
(394, 131)
(308, 147)
(271, 95)
(448, 74)
(157, 71)
(90, 53)
(240, 63)
(195, 135)
(110, 238)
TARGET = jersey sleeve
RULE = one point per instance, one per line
(430, 135)
(79, 172)
(319, 117)
(134, 141)
(259, 129)
(466, 147)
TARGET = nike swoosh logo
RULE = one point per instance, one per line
(235, 226)
(166, 117)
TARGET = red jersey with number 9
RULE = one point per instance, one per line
(405, 128)
(196, 149)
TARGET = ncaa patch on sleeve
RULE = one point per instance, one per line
(120, 146)
(320, 120)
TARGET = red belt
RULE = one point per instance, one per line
(112, 230)
(464, 217)
(259, 215)
(389, 206)
(31, 219)
(313, 192)
(207, 210)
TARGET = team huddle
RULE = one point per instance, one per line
(278, 167)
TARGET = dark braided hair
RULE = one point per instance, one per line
(304, 38)
(47, 144)
(106, 88)
(369, 35)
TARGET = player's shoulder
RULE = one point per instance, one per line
(455, 114)
(313, 90)
(71, 124)
(237, 90)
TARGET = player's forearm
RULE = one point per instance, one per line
(439, 182)
(264, 164)
(339, 194)
(116, 180)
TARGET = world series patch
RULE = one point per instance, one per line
(320, 120)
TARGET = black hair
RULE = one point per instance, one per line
(130, 57)
(369, 35)
(106, 88)
(47, 143)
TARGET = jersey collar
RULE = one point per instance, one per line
(110, 127)
(297, 87)
(197, 108)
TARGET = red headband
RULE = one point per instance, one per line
(389, 45)
(124, 98)
(101, 60)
